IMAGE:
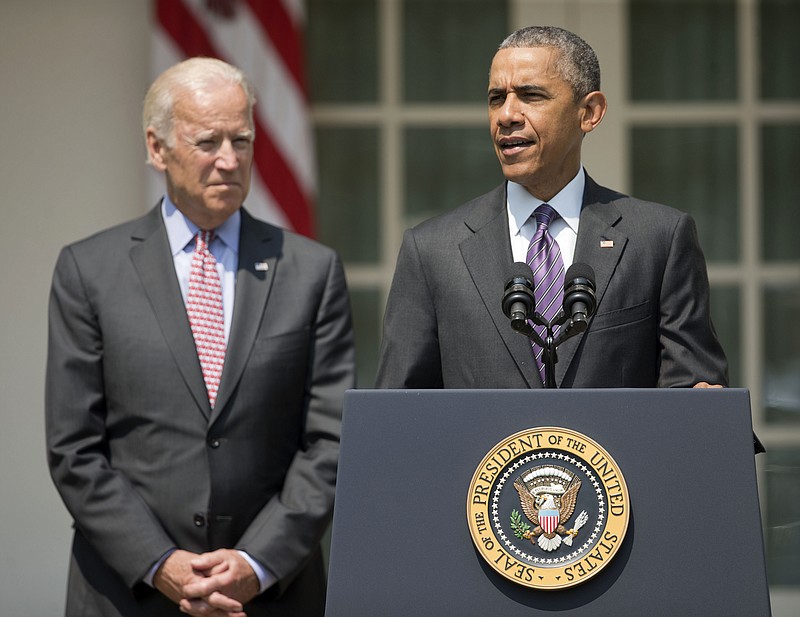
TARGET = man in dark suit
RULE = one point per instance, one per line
(192, 490)
(444, 326)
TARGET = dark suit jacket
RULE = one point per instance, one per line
(444, 326)
(141, 461)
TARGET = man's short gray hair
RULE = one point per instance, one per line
(190, 75)
(576, 63)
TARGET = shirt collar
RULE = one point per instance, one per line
(567, 202)
(181, 231)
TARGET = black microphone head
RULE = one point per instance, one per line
(579, 271)
(518, 302)
(520, 270)
(579, 298)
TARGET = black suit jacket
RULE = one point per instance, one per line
(142, 462)
(444, 326)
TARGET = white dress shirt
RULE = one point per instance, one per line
(521, 226)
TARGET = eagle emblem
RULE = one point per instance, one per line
(568, 507)
(547, 496)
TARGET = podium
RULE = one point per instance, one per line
(401, 541)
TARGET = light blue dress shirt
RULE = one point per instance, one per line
(225, 248)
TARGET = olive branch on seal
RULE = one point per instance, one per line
(520, 528)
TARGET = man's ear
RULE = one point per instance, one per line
(156, 149)
(592, 111)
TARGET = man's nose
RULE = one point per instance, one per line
(226, 156)
(510, 112)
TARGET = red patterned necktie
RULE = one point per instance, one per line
(204, 307)
(544, 258)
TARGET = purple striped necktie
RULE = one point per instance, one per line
(544, 258)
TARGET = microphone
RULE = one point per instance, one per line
(579, 298)
(518, 301)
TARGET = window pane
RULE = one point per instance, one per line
(726, 315)
(780, 48)
(780, 154)
(694, 169)
(367, 324)
(783, 514)
(448, 46)
(348, 205)
(342, 47)
(782, 351)
(683, 50)
(446, 167)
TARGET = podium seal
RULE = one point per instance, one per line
(548, 508)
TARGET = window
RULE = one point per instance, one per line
(398, 91)
(714, 130)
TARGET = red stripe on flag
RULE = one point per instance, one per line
(184, 29)
(286, 39)
(188, 34)
(282, 183)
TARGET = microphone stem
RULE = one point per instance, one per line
(550, 360)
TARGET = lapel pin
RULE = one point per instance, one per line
(606, 244)
(262, 266)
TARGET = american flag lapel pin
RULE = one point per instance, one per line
(606, 244)
(262, 266)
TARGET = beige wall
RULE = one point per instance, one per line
(72, 77)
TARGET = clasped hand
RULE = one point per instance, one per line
(216, 584)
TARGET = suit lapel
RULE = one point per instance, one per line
(259, 248)
(600, 245)
(153, 263)
(489, 269)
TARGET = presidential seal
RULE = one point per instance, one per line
(548, 508)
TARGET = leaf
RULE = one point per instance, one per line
(518, 526)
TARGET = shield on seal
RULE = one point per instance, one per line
(548, 519)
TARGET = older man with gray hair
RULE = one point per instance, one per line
(197, 360)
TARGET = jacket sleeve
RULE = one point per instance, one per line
(105, 508)
(689, 349)
(290, 526)
(410, 354)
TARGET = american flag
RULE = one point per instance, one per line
(264, 39)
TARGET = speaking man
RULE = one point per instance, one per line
(444, 326)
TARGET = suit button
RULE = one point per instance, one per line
(199, 520)
(214, 442)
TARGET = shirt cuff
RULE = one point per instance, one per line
(148, 578)
(266, 579)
